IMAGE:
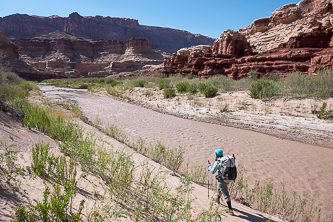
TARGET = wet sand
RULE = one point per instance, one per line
(304, 168)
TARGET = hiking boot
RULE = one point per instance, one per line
(230, 212)
(218, 200)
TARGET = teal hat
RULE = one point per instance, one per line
(219, 152)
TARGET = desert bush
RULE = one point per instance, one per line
(323, 113)
(8, 169)
(264, 88)
(140, 83)
(192, 89)
(56, 206)
(116, 90)
(202, 87)
(163, 86)
(108, 80)
(210, 92)
(40, 156)
(116, 133)
(182, 87)
(169, 93)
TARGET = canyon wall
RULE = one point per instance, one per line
(307, 53)
(65, 55)
(98, 27)
(297, 37)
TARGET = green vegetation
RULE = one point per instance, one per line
(268, 199)
(146, 198)
(323, 113)
(56, 206)
(169, 93)
(8, 169)
(295, 85)
(12, 88)
(140, 83)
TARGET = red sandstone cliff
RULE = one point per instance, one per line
(66, 55)
(258, 47)
(98, 27)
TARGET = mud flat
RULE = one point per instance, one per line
(299, 166)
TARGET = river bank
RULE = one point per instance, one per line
(263, 156)
(292, 119)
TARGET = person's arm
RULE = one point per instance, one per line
(213, 168)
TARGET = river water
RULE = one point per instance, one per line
(305, 168)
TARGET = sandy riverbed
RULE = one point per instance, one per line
(302, 167)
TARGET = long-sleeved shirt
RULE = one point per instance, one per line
(217, 166)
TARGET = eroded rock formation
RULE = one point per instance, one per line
(297, 37)
(98, 27)
(288, 21)
(306, 53)
(66, 55)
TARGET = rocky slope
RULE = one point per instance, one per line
(9, 58)
(269, 45)
(66, 55)
(98, 27)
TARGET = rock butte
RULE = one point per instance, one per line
(297, 37)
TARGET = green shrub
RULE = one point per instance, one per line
(169, 93)
(264, 88)
(55, 205)
(140, 83)
(202, 87)
(108, 80)
(323, 113)
(182, 87)
(163, 86)
(115, 83)
(210, 91)
(192, 89)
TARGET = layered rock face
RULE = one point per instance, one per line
(297, 37)
(9, 57)
(288, 21)
(306, 52)
(65, 55)
(98, 27)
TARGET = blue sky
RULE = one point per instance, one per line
(210, 17)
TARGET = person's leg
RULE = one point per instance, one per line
(219, 191)
(225, 194)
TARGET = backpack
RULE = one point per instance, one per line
(229, 172)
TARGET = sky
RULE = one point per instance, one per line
(209, 17)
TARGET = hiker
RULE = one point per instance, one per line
(222, 188)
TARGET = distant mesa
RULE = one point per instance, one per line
(99, 27)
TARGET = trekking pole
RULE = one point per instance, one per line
(208, 184)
